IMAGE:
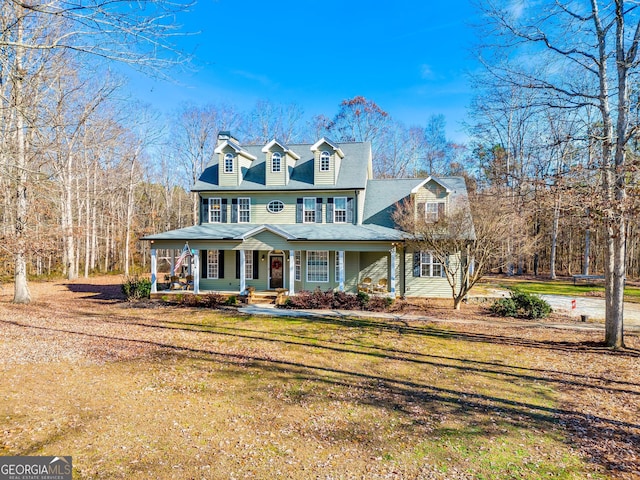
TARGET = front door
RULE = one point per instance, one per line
(276, 271)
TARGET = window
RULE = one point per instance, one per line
(317, 266)
(309, 210)
(298, 265)
(276, 162)
(433, 211)
(324, 161)
(215, 210)
(338, 266)
(213, 263)
(248, 264)
(244, 210)
(228, 163)
(340, 210)
(275, 206)
(429, 266)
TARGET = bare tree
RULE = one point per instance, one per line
(113, 30)
(466, 241)
(581, 56)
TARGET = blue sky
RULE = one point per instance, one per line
(410, 57)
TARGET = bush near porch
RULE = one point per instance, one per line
(338, 301)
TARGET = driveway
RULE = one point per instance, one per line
(593, 307)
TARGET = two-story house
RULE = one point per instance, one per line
(303, 217)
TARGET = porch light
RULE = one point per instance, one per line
(262, 258)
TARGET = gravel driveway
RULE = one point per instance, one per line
(593, 307)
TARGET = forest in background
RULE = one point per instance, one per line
(85, 173)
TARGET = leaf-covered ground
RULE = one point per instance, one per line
(149, 391)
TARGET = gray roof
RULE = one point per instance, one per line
(293, 232)
(383, 194)
(352, 174)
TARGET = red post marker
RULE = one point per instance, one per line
(574, 304)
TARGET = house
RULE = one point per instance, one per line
(301, 217)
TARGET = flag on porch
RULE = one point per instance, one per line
(186, 252)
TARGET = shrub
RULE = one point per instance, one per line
(379, 304)
(212, 300)
(521, 305)
(189, 300)
(504, 307)
(530, 306)
(346, 301)
(338, 300)
(135, 288)
(231, 300)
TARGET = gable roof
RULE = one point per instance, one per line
(383, 194)
(316, 146)
(236, 148)
(353, 172)
(284, 148)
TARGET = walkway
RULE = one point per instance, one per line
(271, 310)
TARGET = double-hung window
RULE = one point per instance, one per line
(429, 266)
(276, 162)
(309, 210)
(244, 210)
(248, 264)
(213, 265)
(325, 163)
(340, 210)
(433, 211)
(228, 163)
(215, 210)
(298, 265)
(317, 266)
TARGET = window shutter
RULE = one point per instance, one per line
(299, 210)
(330, 210)
(416, 264)
(256, 263)
(204, 210)
(223, 214)
(319, 210)
(203, 264)
(234, 210)
(441, 211)
(351, 205)
(220, 263)
(237, 263)
(421, 212)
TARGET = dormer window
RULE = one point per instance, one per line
(228, 163)
(276, 162)
(324, 161)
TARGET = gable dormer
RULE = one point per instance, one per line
(233, 161)
(431, 199)
(279, 163)
(327, 158)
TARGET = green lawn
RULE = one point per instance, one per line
(560, 287)
(211, 395)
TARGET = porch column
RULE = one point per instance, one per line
(154, 271)
(173, 262)
(392, 273)
(341, 270)
(243, 276)
(196, 272)
(292, 272)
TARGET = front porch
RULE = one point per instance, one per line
(267, 272)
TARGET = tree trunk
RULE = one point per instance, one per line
(21, 291)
